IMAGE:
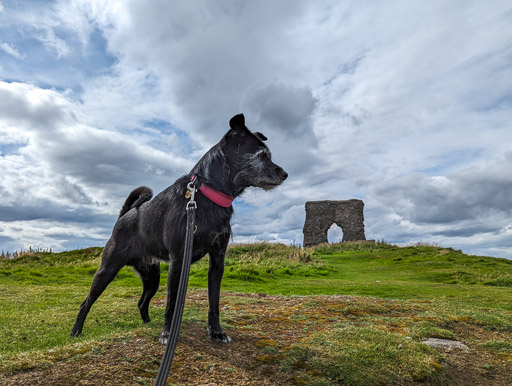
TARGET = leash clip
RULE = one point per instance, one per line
(191, 193)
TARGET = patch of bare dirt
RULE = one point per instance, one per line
(262, 328)
(478, 366)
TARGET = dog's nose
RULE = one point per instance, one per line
(284, 174)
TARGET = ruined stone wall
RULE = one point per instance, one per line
(320, 215)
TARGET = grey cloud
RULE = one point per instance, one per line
(102, 158)
(488, 186)
(8, 244)
(284, 108)
(89, 155)
(73, 192)
(207, 63)
(282, 218)
(45, 113)
(472, 193)
(5, 240)
(285, 115)
(97, 157)
(468, 230)
(50, 210)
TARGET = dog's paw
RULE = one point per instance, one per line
(75, 334)
(164, 337)
(218, 336)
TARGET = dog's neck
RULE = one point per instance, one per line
(214, 195)
(215, 177)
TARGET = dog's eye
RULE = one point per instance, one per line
(263, 155)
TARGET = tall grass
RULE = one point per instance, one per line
(264, 261)
(13, 255)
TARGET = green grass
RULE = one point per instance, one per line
(364, 355)
(370, 269)
(430, 287)
(500, 347)
(262, 266)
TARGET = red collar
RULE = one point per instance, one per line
(218, 197)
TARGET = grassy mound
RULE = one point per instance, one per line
(357, 315)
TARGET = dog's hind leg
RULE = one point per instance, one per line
(149, 273)
(108, 270)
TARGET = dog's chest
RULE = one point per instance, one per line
(207, 238)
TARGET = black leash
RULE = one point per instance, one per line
(172, 340)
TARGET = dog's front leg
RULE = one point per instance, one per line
(215, 272)
(173, 282)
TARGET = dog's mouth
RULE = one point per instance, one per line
(269, 185)
(267, 182)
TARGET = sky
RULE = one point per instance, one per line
(406, 105)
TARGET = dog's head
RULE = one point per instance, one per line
(249, 158)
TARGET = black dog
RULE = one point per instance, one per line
(149, 231)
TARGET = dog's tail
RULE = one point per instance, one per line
(136, 198)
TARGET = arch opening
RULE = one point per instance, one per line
(334, 234)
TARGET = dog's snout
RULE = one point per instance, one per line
(280, 170)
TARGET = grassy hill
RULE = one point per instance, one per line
(342, 313)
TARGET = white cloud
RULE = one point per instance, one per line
(53, 42)
(58, 235)
(11, 50)
(125, 99)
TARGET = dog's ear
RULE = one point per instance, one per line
(238, 128)
(260, 136)
(237, 122)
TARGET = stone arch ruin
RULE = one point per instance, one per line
(320, 215)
